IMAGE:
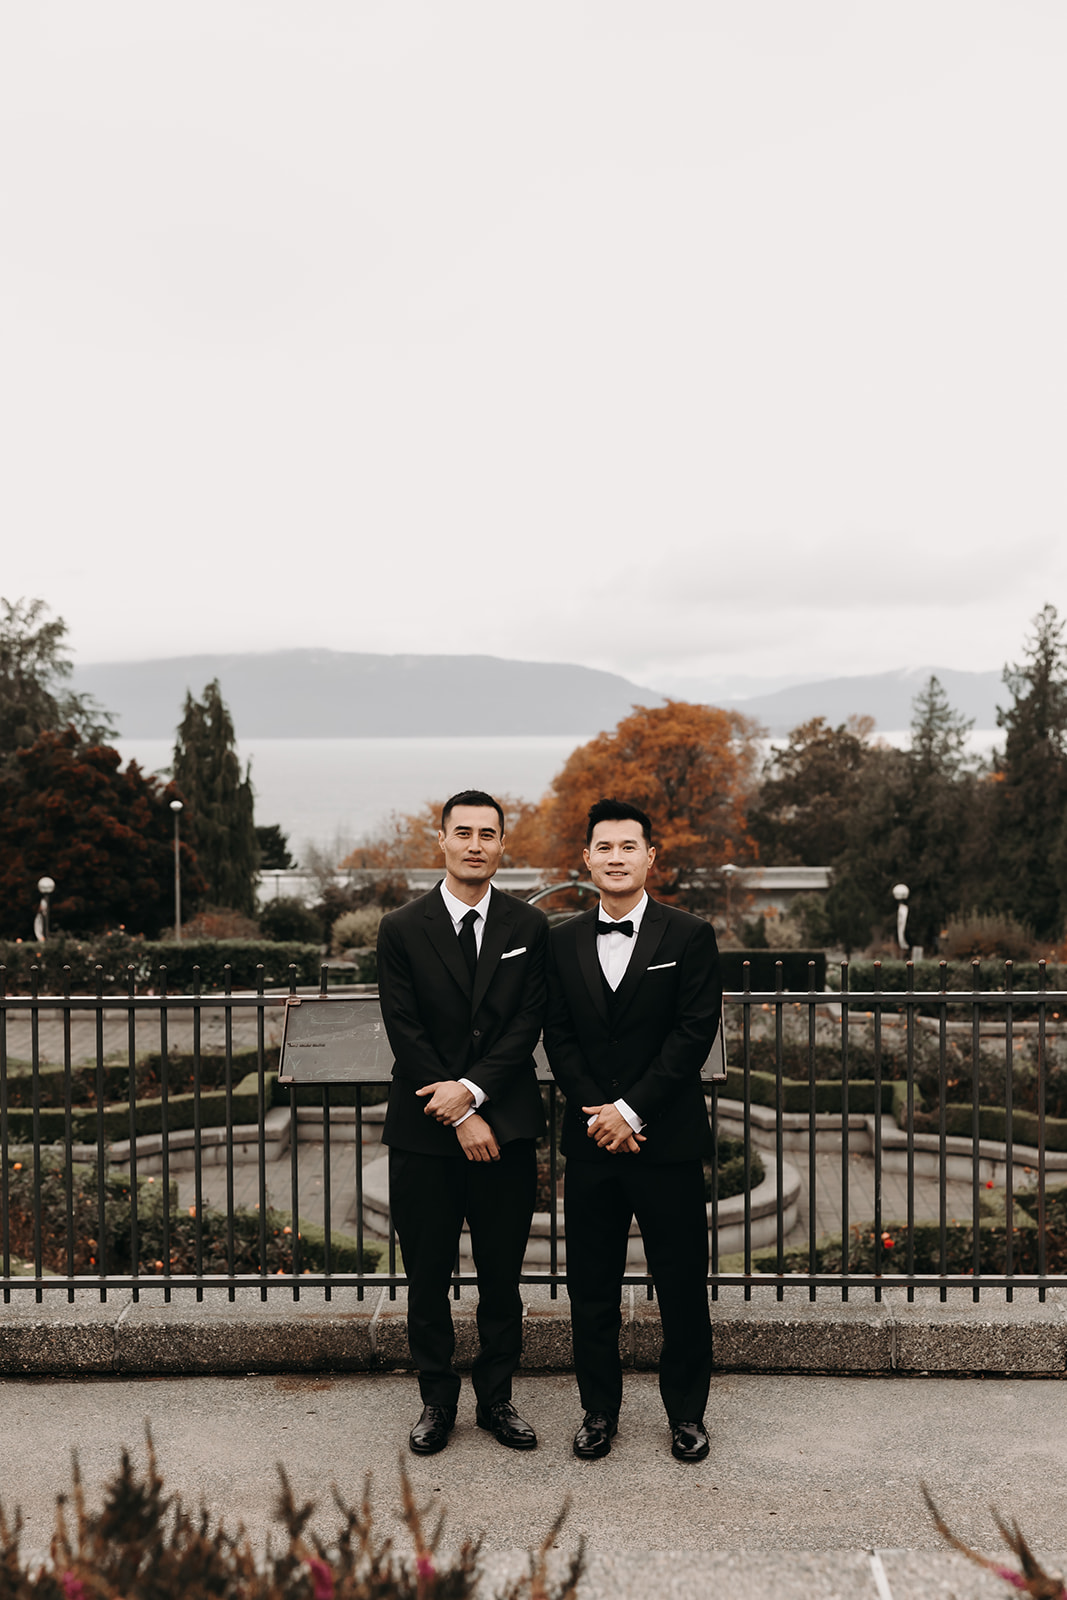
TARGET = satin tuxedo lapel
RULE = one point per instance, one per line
(495, 938)
(442, 935)
(653, 925)
(589, 962)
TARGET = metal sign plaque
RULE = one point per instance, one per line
(334, 1040)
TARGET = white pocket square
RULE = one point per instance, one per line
(662, 966)
(521, 951)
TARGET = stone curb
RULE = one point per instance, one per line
(761, 1335)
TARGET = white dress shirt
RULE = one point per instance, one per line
(457, 910)
(613, 952)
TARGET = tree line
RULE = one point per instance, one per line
(969, 838)
(988, 838)
(105, 834)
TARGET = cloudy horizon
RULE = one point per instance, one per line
(700, 342)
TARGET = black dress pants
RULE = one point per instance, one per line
(430, 1197)
(600, 1200)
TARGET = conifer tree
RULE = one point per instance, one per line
(219, 802)
(33, 670)
(1031, 793)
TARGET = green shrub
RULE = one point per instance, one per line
(356, 929)
(112, 1249)
(288, 920)
(926, 1243)
(731, 1170)
(987, 935)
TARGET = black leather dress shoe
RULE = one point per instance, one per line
(689, 1441)
(594, 1437)
(431, 1432)
(504, 1423)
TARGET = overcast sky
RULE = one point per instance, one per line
(684, 339)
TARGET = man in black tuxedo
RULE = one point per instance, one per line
(461, 974)
(634, 1004)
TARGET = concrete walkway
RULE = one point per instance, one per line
(808, 1475)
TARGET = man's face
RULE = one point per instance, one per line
(618, 858)
(472, 843)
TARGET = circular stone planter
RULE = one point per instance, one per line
(731, 1219)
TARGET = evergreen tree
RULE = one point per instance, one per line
(104, 834)
(274, 852)
(219, 815)
(1031, 790)
(33, 667)
(810, 790)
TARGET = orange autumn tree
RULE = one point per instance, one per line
(691, 767)
(409, 839)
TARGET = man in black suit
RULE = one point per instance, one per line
(461, 974)
(634, 1004)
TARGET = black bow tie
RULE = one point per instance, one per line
(625, 928)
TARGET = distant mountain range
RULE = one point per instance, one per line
(341, 694)
(324, 694)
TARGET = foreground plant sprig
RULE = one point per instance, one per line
(144, 1544)
(1032, 1580)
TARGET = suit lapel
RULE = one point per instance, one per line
(585, 937)
(653, 925)
(495, 936)
(442, 935)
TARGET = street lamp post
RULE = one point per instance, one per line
(900, 895)
(45, 888)
(176, 807)
(729, 872)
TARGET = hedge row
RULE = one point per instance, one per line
(115, 954)
(796, 1093)
(763, 969)
(959, 975)
(796, 1097)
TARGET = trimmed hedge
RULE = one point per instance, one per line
(959, 976)
(796, 1093)
(993, 1124)
(115, 953)
(242, 956)
(148, 1114)
(763, 969)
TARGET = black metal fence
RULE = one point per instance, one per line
(883, 1137)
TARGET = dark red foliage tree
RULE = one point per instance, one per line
(69, 811)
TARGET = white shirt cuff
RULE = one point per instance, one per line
(636, 1122)
(480, 1097)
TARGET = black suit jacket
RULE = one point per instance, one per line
(440, 1025)
(649, 1046)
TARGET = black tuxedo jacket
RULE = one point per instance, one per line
(440, 1025)
(648, 1044)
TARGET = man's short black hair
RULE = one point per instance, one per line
(612, 810)
(471, 797)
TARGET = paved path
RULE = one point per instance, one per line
(808, 1475)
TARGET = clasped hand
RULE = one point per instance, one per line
(611, 1130)
(448, 1100)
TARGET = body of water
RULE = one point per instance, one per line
(330, 790)
(335, 791)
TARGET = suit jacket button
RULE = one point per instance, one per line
(477, 1033)
(614, 1083)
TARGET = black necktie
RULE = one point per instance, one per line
(625, 928)
(467, 942)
